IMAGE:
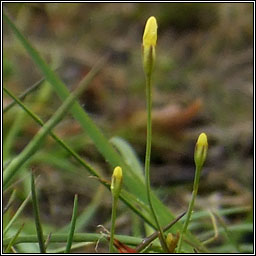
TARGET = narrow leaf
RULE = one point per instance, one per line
(8, 248)
(73, 225)
(37, 217)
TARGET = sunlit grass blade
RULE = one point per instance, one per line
(8, 248)
(72, 227)
(17, 213)
(39, 229)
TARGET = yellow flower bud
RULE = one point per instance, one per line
(172, 241)
(150, 32)
(149, 43)
(201, 150)
(116, 182)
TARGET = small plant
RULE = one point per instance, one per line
(199, 156)
(116, 184)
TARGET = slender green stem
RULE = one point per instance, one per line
(147, 158)
(23, 95)
(113, 220)
(39, 229)
(190, 207)
(72, 227)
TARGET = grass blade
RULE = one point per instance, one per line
(83, 219)
(129, 155)
(16, 215)
(37, 217)
(23, 95)
(8, 248)
(10, 201)
(78, 237)
(73, 225)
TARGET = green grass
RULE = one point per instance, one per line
(46, 150)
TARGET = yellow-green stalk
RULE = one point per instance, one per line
(200, 154)
(116, 184)
(148, 51)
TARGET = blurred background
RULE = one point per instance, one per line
(203, 82)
